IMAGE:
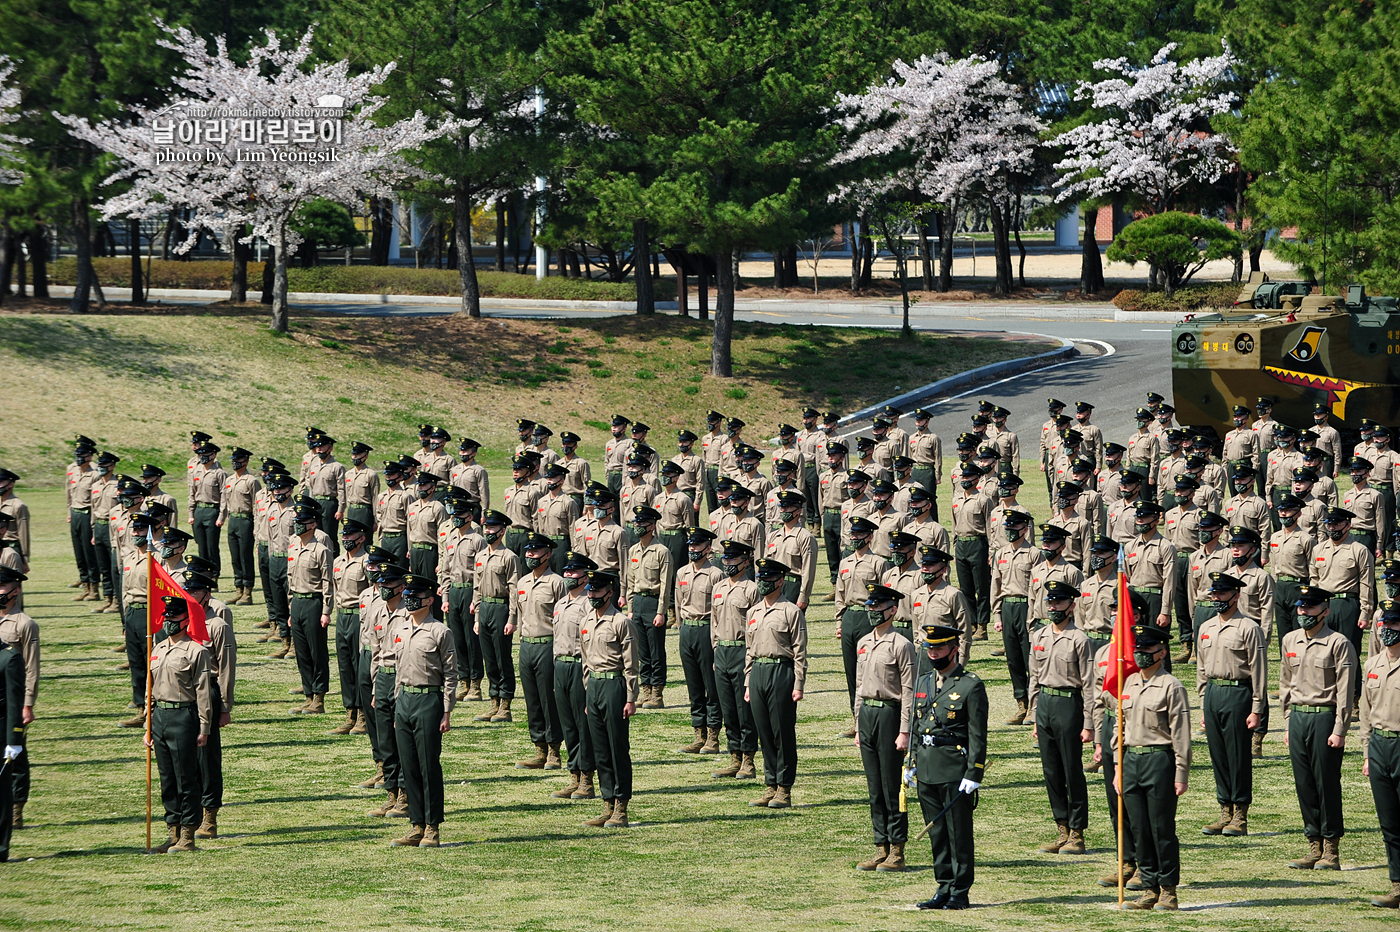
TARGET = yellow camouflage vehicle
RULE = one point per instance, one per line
(1282, 342)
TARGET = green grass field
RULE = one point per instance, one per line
(298, 851)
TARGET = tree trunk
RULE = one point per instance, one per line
(268, 275)
(39, 258)
(82, 233)
(513, 235)
(279, 281)
(1001, 245)
(133, 240)
(945, 247)
(682, 291)
(721, 363)
(1237, 275)
(926, 255)
(500, 236)
(7, 258)
(1020, 246)
(1091, 262)
(379, 231)
(854, 243)
(238, 284)
(641, 250)
(466, 267)
(1255, 253)
(169, 234)
(702, 287)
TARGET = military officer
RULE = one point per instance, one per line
(460, 540)
(734, 594)
(1366, 504)
(1380, 740)
(610, 679)
(1209, 557)
(538, 591)
(425, 516)
(1061, 697)
(831, 484)
(775, 673)
(1157, 765)
(1346, 569)
(1011, 586)
(949, 734)
(12, 685)
(425, 684)
(1291, 562)
(311, 583)
(615, 453)
(647, 588)
(695, 586)
(569, 698)
(710, 445)
(391, 512)
(470, 476)
(1315, 692)
(971, 512)
(183, 713)
(1232, 679)
(493, 580)
(350, 573)
(223, 674)
(884, 709)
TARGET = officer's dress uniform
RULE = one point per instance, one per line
(11, 712)
(950, 741)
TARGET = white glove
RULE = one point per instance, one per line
(13, 751)
(968, 786)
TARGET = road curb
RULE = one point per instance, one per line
(1148, 317)
(972, 377)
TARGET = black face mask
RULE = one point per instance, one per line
(415, 600)
(425, 491)
(1242, 560)
(1308, 622)
(598, 601)
(1098, 562)
(459, 521)
(695, 555)
(733, 569)
(1337, 534)
(387, 593)
(941, 663)
(534, 562)
(1389, 636)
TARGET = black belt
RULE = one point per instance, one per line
(162, 704)
(306, 595)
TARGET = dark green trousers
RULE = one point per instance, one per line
(673, 541)
(954, 854)
(137, 649)
(1200, 614)
(497, 655)
(614, 480)
(310, 641)
(329, 506)
(1285, 612)
(537, 685)
(84, 554)
(462, 623)
(396, 542)
(384, 722)
(1016, 641)
(1343, 615)
(418, 733)
(651, 641)
(1110, 768)
(175, 739)
(363, 514)
(811, 492)
(572, 703)
(1384, 755)
(240, 549)
(279, 609)
(206, 535)
(347, 655)
(975, 576)
(515, 541)
(116, 571)
(855, 624)
(265, 576)
(561, 551)
(884, 771)
(1184, 615)
(211, 764)
(364, 686)
(698, 664)
(831, 540)
(612, 741)
(1149, 795)
(923, 475)
(423, 561)
(1154, 608)
(1385, 522)
(1058, 723)
(102, 547)
(1317, 773)
(1228, 738)
(740, 733)
(1097, 643)
(711, 499)
(775, 718)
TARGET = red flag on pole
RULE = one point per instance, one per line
(163, 584)
(1120, 648)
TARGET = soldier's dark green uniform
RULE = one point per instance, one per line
(182, 714)
(950, 757)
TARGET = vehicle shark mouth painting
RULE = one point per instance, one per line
(1336, 389)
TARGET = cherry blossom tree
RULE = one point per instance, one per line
(245, 145)
(946, 131)
(1154, 136)
(9, 113)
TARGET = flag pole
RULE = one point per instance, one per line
(149, 678)
(1118, 749)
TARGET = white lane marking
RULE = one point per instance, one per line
(1145, 330)
(1108, 350)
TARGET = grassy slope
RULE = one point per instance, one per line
(298, 851)
(138, 383)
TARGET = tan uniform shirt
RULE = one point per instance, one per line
(223, 653)
(555, 515)
(519, 502)
(777, 631)
(361, 486)
(309, 570)
(606, 646)
(746, 530)
(494, 576)
(710, 445)
(326, 479)
(926, 449)
(929, 532)
(649, 573)
(569, 613)
(1281, 464)
(1098, 605)
(261, 502)
(1151, 564)
(608, 549)
(537, 596)
(1257, 596)
(1202, 564)
(1290, 554)
(971, 513)
(903, 579)
(1062, 660)
(391, 511)
(1043, 573)
(1367, 504)
(615, 454)
(457, 550)
(423, 655)
(77, 489)
(239, 495)
(885, 665)
(14, 523)
(1318, 671)
(833, 492)
(695, 591)
(797, 549)
(104, 497)
(730, 605)
(180, 673)
(135, 569)
(1180, 525)
(1346, 567)
(207, 486)
(1092, 444)
(441, 465)
(1252, 512)
(1011, 576)
(1234, 649)
(855, 572)
(425, 516)
(1157, 712)
(676, 511)
(472, 478)
(351, 579)
(691, 466)
(1380, 698)
(1242, 446)
(1143, 451)
(1081, 534)
(853, 508)
(22, 633)
(943, 604)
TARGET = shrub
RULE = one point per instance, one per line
(1178, 244)
(1187, 300)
